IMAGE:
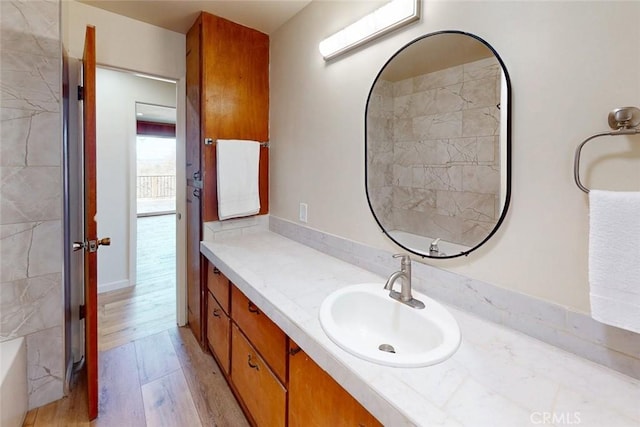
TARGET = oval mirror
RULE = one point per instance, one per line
(437, 143)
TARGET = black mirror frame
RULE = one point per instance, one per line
(507, 146)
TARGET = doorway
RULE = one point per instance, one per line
(136, 160)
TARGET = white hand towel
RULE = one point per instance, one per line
(237, 163)
(614, 258)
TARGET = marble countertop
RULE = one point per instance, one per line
(498, 377)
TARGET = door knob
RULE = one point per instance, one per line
(92, 245)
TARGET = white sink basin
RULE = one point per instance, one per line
(365, 321)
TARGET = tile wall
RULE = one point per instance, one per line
(31, 300)
(433, 145)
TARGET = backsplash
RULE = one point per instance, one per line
(433, 148)
(554, 324)
(31, 296)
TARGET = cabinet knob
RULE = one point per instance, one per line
(215, 270)
(216, 312)
(294, 351)
(253, 309)
(251, 364)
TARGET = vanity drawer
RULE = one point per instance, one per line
(219, 286)
(264, 397)
(218, 333)
(266, 336)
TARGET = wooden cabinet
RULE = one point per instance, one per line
(262, 393)
(227, 88)
(218, 333)
(219, 286)
(195, 301)
(276, 383)
(227, 98)
(316, 399)
(265, 335)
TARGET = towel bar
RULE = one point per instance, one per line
(624, 121)
(211, 141)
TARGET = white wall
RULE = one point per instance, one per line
(570, 63)
(117, 94)
(124, 42)
(128, 44)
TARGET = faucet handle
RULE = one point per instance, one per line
(404, 258)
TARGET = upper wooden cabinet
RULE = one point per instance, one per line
(227, 98)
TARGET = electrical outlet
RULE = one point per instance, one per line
(303, 212)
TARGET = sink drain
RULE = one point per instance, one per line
(387, 348)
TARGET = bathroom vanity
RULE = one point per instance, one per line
(497, 377)
(273, 379)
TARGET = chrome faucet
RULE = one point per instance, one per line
(404, 274)
(433, 247)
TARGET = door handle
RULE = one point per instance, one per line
(91, 245)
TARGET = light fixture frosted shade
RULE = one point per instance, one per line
(381, 21)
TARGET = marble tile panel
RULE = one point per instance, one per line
(431, 152)
(466, 205)
(44, 143)
(402, 107)
(529, 389)
(45, 254)
(30, 305)
(15, 241)
(481, 179)
(475, 405)
(14, 132)
(35, 78)
(573, 407)
(414, 199)
(403, 87)
(30, 194)
(449, 178)
(403, 130)
(445, 100)
(481, 69)
(27, 24)
(403, 175)
(439, 79)
(480, 93)
(446, 125)
(480, 122)
(472, 232)
(587, 328)
(45, 366)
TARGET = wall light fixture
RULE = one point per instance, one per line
(389, 17)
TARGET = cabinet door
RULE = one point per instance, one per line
(265, 335)
(194, 292)
(262, 394)
(218, 333)
(316, 399)
(234, 97)
(218, 285)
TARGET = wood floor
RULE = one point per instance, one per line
(150, 306)
(151, 373)
(160, 380)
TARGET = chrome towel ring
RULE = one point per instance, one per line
(624, 121)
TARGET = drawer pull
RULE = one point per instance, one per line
(216, 312)
(252, 365)
(253, 308)
(294, 351)
(216, 271)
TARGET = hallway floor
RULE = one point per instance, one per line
(149, 307)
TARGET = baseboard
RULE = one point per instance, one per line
(113, 286)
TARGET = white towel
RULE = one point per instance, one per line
(614, 258)
(237, 164)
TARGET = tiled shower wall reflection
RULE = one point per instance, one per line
(31, 302)
(434, 152)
